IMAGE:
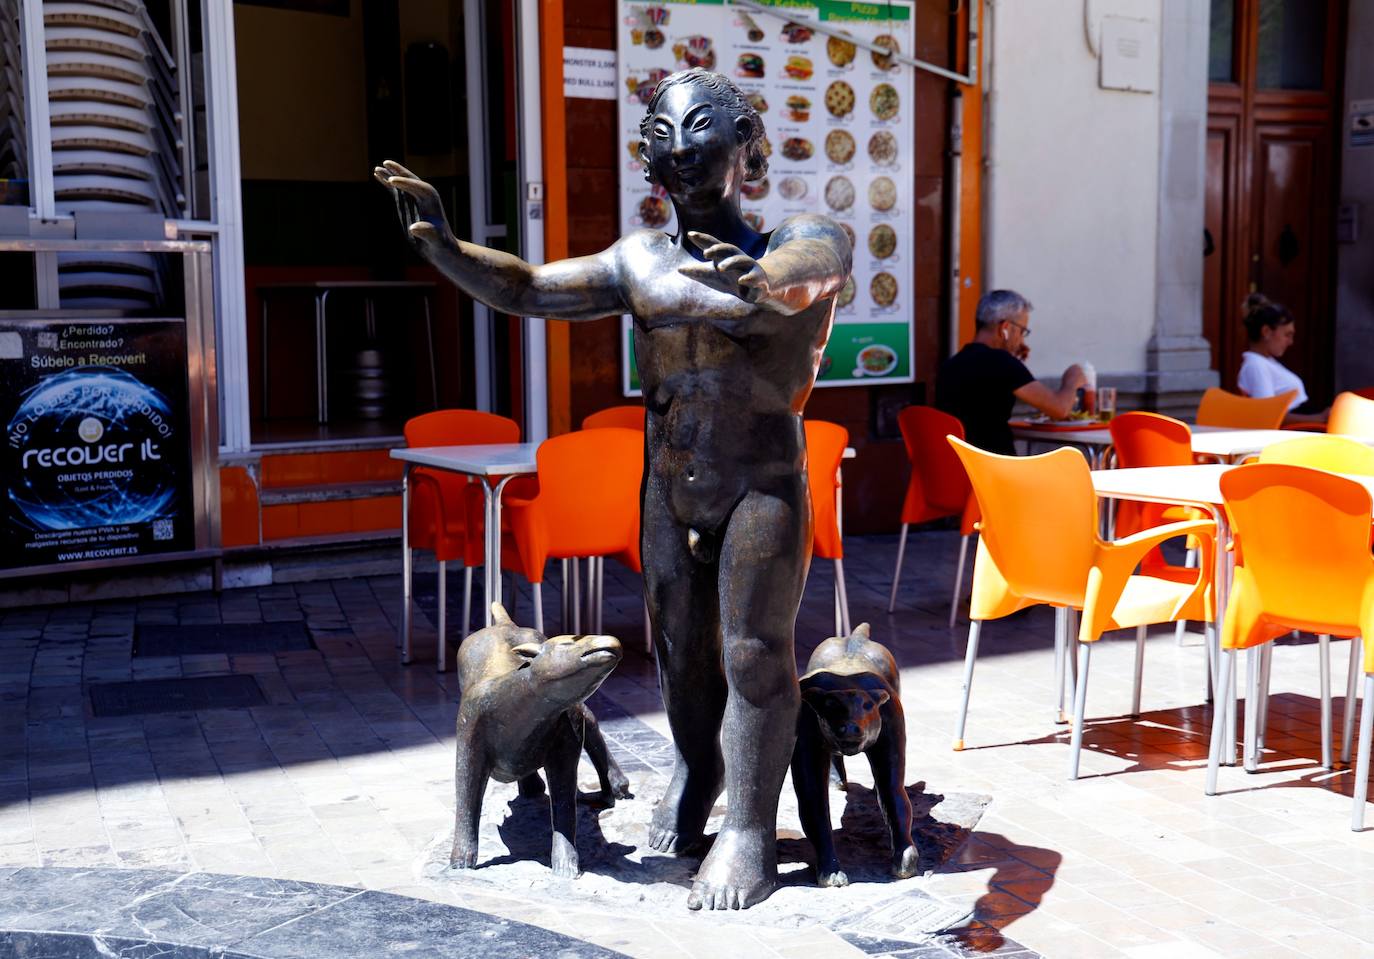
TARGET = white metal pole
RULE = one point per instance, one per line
(226, 211)
(532, 212)
(479, 188)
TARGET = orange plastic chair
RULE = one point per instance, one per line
(1334, 454)
(1220, 408)
(446, 510)
(825, 444)
(938, 488)
(587, 506)
(628, 417)
(1040, 545)
(1305, 534)
(1352, 415)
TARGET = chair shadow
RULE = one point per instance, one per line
(1179, 739)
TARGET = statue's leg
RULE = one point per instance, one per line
(531, 786)
(683, 613)
(560, 766)
(614, 783)
(470, 782)
(811, 781)
(763, 563)
(887, 758)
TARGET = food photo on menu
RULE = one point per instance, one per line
(836, 132)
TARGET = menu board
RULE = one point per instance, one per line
(840, 140)
(96, 463)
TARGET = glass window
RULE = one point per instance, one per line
(1292, 45)
(1221, 54)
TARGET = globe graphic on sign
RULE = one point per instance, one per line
(85, 448)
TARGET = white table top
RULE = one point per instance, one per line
(1100, 436)
(1174, 485)
(496, 459)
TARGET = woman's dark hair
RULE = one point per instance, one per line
(729, 98)
(1258, 312)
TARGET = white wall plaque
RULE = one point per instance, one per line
(589, 73)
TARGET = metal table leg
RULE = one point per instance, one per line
(492, 566)
(404, 639)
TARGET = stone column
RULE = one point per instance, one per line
(1178, 359)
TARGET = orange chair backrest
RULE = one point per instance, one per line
(1151, 439)
(589, 483)
(460, 428)
(1351, 414)
(825, 443)
(939, 486)
(1220, 408)
(1039, 520)
(1335, 454)
(1305, 536)
(628, 417)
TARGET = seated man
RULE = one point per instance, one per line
(982, 382)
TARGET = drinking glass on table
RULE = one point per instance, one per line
(1106, 403)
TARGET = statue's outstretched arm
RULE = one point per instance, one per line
(579, 288)
(808, 259)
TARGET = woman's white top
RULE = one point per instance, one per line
(1262, 376)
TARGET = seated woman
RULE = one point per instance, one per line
(1270, 329)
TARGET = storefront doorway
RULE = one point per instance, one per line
(1274, 75)
(349, 334)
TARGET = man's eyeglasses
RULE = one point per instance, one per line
(1025, 330)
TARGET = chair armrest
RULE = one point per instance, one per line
(1116, 561)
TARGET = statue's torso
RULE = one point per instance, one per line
(724, 380)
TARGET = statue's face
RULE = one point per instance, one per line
(695, 148)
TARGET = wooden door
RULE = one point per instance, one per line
(1273, 107)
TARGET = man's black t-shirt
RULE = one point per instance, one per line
(976, 385)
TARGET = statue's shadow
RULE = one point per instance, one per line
(861, 839)
(527, 833)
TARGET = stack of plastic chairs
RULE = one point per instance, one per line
(938, 488)
(1039, 544)
(1304, 536)
(825, 445)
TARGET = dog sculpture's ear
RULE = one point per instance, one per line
(880, 697)
(499, 616)
(527, 652)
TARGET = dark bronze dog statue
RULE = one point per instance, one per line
(851, 704)
(523, 709)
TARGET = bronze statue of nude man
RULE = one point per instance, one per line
(729, 327)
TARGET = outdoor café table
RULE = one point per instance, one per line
(1233, 445)
(1092, 439)
(501, 462)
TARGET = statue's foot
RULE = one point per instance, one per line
(564, 859)
(832, 880)
(462, 857)
(620, 785)
(740, 870)
(906, 862)
(679, 820)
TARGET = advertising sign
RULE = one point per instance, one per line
(96, 462)
(840, 141)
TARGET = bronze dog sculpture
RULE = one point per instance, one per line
(851, 704)
(523, 710)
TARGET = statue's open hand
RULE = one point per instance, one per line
(417, 202)
(727, 269)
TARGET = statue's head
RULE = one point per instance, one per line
(700, 138)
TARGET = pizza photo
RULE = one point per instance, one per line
(840, 52)
(839, 193)
(883, 289)
(839, 99)
(882, 194)
(839, 146)
(882, 241)
(884, 101)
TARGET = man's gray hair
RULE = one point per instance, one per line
(1000, 306)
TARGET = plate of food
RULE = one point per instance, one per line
(756, 190)
(839, 99)
(884, 61)
(749, 65)
(839, 146)
(798, 67)
(841, 52)
(792, 188)
(798, 108)
(876, 359)
(884, 101)
(1074, 421)
(797, 148)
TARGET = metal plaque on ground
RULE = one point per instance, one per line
(209, 638)
(174, 695)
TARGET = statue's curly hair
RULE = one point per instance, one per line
(729, 98)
